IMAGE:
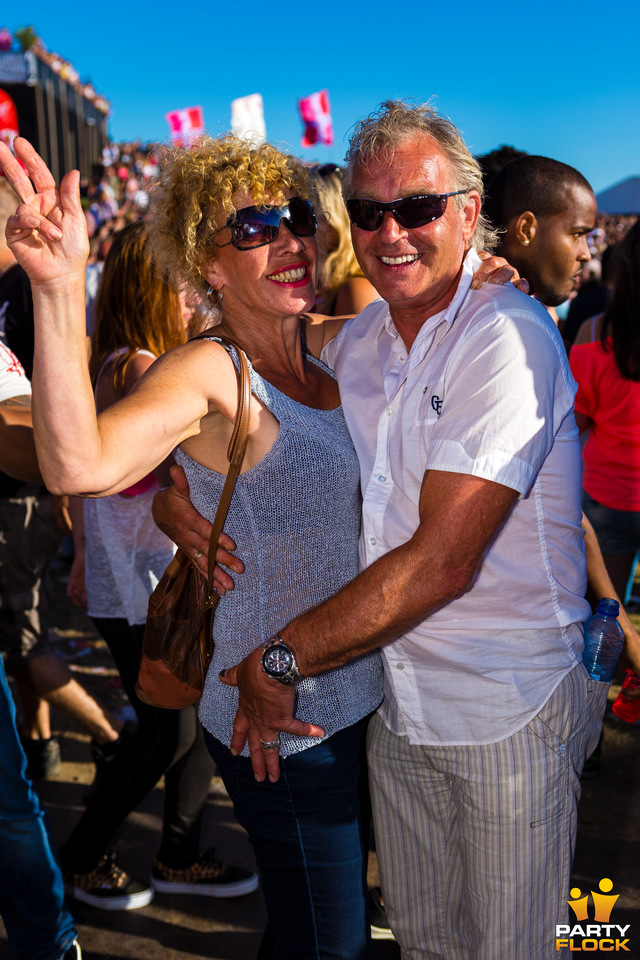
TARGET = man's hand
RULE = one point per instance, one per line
(265, 710)
(176, 516)
(497, 270)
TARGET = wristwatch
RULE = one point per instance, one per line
(279, 662)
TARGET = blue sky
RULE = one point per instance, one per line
(557, 79)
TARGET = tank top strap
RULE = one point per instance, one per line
(120, 352)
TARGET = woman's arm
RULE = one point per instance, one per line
(106, 396)
(79, 453)
(318, 330)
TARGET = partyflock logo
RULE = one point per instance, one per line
(586, 936)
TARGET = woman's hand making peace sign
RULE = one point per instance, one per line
(48, 232)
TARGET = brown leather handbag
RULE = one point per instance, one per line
(178, 636)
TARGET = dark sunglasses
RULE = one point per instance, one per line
(409, 212)
(257, 226)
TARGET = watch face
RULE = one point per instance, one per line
(277, 660)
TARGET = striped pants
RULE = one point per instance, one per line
(475, 843)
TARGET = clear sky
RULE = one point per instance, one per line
(555, 78)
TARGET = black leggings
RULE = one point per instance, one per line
(168, 742)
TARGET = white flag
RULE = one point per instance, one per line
(247, 118)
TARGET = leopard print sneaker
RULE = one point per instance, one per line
(207, 877)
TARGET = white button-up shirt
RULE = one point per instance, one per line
(485, 390)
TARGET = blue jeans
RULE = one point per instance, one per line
(307, 834)
(39, 927)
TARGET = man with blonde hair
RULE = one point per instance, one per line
(459, 401)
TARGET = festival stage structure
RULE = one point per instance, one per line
(42, 99)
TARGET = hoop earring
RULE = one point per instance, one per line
(218, 295)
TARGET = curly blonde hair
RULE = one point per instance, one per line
(194, 197)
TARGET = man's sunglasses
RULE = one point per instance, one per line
(410, 212)
(256, 226)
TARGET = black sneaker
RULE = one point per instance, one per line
(103, 753)
(207, 877)
(107, 887)
(380, 929)
(43, 757)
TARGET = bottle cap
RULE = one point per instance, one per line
(608, 607)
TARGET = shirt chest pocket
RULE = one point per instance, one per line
(428, 402)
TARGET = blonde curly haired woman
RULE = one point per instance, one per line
(118, 563)
(236, 223)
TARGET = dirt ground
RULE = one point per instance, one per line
(198, 928)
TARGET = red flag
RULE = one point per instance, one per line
(8, 119)
(316, 116)
(185, 124)
(8, 123)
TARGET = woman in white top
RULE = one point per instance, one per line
(138, 317)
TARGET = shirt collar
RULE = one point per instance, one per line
(470, 265)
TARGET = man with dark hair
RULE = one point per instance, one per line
(492, 162)
(545, 209)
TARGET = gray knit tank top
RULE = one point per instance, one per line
(295, 519)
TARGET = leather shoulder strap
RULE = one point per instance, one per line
(235, 451)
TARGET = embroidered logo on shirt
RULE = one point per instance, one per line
(436, 403)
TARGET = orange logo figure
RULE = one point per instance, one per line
(579, 906)
(604, 903)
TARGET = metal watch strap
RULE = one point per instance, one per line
(293, 674)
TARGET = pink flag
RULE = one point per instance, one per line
(185, 124)
(316, 116)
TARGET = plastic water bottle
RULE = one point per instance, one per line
(603, 639)
(624, 708)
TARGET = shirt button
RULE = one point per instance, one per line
(382, 478)
(372, 541)
(399, 666)
(388, 411)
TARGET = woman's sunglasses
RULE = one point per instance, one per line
(409, 212)
(257, 226)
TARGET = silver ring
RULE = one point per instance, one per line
(198, 554)
(270, 744)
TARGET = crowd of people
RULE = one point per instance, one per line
(411, 429)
